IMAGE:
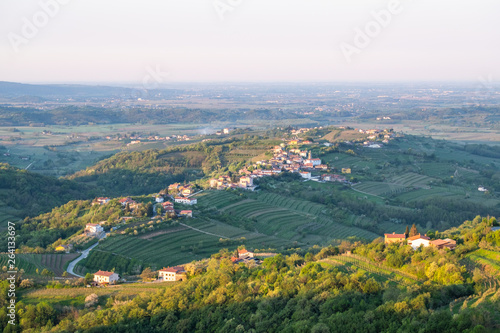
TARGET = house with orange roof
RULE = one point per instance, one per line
(394, 238)
(105, 277)
(418, 240)
(244, 253)
(186, 213)
(444, 244)
(176, 273)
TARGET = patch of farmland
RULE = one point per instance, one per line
(379, 188)
(490, 260)
(31, 262)
(185, 245)
(412, 179)
(217, 199)
(439, 170)
(290, 203)
(423, 194)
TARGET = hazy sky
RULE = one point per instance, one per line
(248, 40)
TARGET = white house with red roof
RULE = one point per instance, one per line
(244, 253)
(105, 277)
(418, 240)
(305, 174)
(176, 273)
(100, 201)
(186, 213)
(93, 229)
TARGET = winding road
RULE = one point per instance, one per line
(84, 255)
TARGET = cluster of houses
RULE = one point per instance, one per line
(420, 240)
(178, 273)
(292, 160)
(224, 131)
(224, 182)
(246, 257)
(138, 138)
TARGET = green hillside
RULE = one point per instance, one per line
(149, 171)
(24, 193)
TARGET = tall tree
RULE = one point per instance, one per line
(413, 230)
(407, 231)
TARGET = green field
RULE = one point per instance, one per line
(76, 296)
(379, 188)
(490, 260)
(176, 246)
(381, 272)
(55, 263)
(284, 217)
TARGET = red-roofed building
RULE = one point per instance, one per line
(186, 213)
(100, 201)
(244, 253)
(176, 273)
(444, 243)
(104, 277)
(394, 238)
(418, 240)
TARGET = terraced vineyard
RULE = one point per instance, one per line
(412, 179)
(379, 188)
(181, 245)
(292, 219)
(490, 260)
(31, 262)
(384, 272)
(216, 199)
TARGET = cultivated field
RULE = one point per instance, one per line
(55, 263)
(76, 296)
(284, 217)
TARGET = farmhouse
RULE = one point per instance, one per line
(176, 273)
(100, 201)
(64, 248)
(173, 187)
(186, 190)
(186, 213)
(418, 240)
(305, 174)
(168, 206)
(127, 201)
(104, 277)
(444, 243)
(186, 201)
(245, 253)
(333, 178)
(394, 238)
(93, 229)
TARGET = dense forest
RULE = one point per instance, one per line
(30, 194)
